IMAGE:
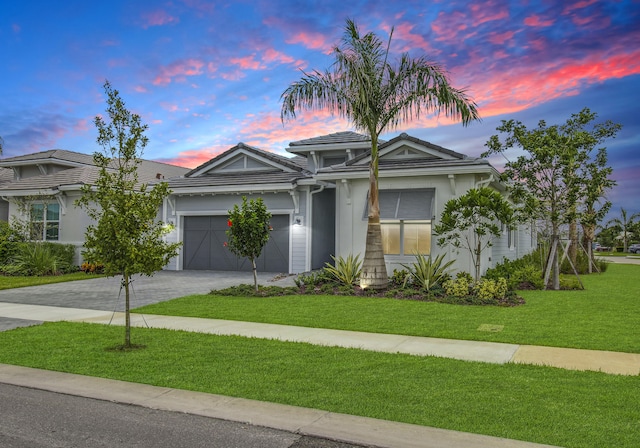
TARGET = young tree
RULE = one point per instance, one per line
(596, 182)
(249, 231)
(624, 224)
(364, 87)
(127, 237)
(549, 171)
(473, 220)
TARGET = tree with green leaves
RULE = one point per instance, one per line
(249, 231)
(376, 96)
(473, 220)
(624, 224)
(548, 176)
(596, 181)
(127, 237)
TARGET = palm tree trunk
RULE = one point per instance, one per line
(374, 269)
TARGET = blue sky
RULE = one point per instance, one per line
(205, 75)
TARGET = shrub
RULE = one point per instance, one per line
(458, 287)
(398, 278)
(426, 273)
(486, 289)
(311, 279)
(34, 259)
(10, 239)
(345, 272)
(92, 268)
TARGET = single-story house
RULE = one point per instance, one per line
(41, 189)
(317, 198)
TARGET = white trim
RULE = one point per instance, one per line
(234, 189)
(413, 172)
(234, 154)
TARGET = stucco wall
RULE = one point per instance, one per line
(351, 222)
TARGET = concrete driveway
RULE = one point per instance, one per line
(106, 294)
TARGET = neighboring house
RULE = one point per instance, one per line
(318, 200)
(6, 175)
(41, 190)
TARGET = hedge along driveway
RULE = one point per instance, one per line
(605, 316)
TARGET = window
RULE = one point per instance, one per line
(406, 237)
(44, 221)
(405, 220)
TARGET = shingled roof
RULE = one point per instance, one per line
(338, 137)
(59, 155)
(293, 163)
(82, 171)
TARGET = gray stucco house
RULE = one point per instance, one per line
(41, 189)
(318, 199)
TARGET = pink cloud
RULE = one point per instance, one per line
(158, 18)
(521, 87)
(501, 38)
(449, 27)
(570, 7)
(16, 28)
(196, 157)
(313, 41)
(403, 32)
(247, 63)
(272, 55)
(81, 125)
(537, 22)
(140, 89)
(178, 71)
(487, 12)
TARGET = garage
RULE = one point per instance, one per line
(203, 246)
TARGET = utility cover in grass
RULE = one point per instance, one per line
(490, 327)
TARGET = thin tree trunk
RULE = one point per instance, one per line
(573, 241)
(127, 314)
(478, 259)
(255, 274)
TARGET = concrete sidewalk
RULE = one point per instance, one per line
(491, 352)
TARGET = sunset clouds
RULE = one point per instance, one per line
(206, 75)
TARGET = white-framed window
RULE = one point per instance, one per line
(405, 220)
(406, 237)
(44, 221)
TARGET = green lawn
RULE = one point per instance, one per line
(605, 316)
(10, 282)
(538, 404)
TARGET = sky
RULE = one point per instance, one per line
(205, 75)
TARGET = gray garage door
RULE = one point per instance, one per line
(203, 246)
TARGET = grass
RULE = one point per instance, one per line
(10, 282)
(605, 316)
(538, 404)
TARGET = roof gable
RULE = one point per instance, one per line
(404, 148)
(52, 156)
(243, 158)
(331, 142)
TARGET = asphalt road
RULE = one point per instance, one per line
(31, 418)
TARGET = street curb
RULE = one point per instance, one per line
(298, 420)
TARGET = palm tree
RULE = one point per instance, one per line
(376, 96)
(625, 223)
